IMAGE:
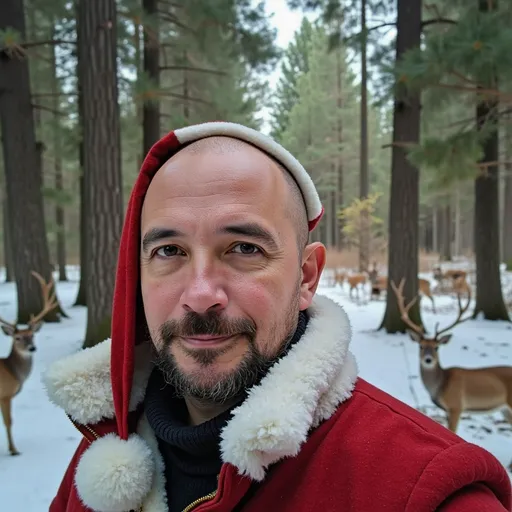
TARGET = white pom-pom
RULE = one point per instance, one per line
(115, 475)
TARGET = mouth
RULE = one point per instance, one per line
(203, 340)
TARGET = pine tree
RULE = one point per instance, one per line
(295, 64)
(468, 60)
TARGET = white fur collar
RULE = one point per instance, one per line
(298, 393)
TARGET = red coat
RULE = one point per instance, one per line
(374, 453)
(304, 439)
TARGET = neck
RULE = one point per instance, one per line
(433, 379)
(200, 412)
(19, 364)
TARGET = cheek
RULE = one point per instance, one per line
(266, 300)
(159, 299)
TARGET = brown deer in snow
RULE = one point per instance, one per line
(17, 366)
(457, 390)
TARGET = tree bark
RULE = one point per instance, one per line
(22, 172)
(507, 198)
(340, 192)
(97, 25)
(489, 295)
(435, 229)
(457, 224)
(446, 254)
(151, 108)
(8, 259)
(81, 297)
(57, 157)
(404, 198)
(364, 245)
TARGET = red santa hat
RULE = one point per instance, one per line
(128, 324)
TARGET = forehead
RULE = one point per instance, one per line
(212, 179)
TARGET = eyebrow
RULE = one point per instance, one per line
(156, 235)
(253, 231)
(249, 229)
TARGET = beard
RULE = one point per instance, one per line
(204, 384)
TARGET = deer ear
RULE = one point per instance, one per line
(37, 326)
(414, 335)
(445, 339)
(8, 330)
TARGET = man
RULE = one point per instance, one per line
(228, 384)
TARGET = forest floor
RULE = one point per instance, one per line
(47, 439)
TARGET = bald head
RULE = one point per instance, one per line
(295, 207)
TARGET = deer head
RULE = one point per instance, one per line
(23, 337)
(429, 345)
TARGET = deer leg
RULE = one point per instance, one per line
(5, 405)
(453, 419)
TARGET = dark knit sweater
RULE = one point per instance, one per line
(191, 453)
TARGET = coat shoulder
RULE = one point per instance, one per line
(410, 454)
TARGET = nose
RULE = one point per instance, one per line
(32, 348)
(204, 294)
(428, 360)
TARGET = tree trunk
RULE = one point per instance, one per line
(507, 198)
(151, 108)
(22, 172)
(329, 220)
(8, 260)
(404, 198)
(457, 224)
(81, 297)
(97, 26)
(435, 230)
(489, 295)
(186, 105)
(57, 157)
(364, 245)
(340, 193)
(446, 254)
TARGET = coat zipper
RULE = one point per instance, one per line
(190, 507)
(197, 502)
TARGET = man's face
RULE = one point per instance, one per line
(221, 275)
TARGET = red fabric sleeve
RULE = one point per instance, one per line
(473, 497)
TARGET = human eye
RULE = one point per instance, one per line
(168, 251)
(246, 249)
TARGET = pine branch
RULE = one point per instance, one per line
(47, 109)
(476, 90)
(382, 25)
(397, 144)
(41, 43)
(188, 98)
(190, 68)
(174, 20)
(436, 21)
(52, 94)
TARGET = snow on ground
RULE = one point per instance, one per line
(47, 439)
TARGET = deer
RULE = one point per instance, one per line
(456, 390)
(457, 278)
(17, 366)
(355, 280)
(381, 283)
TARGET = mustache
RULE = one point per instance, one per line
(210, 324)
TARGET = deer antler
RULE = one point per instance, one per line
(8, 324)
(459, 318)
(404, 310)
(49, 298)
